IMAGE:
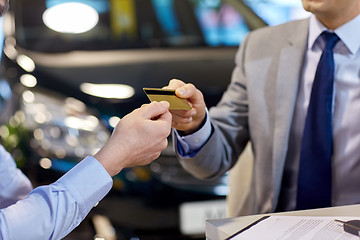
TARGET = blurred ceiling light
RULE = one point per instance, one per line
(19, 116)
(113, 121)
(4, 131)
(60, 152)
(79, 151)
(9, 26)
(72, 17)
(74, 105)
(41, 117)
(87, 124)
(26, 63)
(28, 80)
(10, 51)
(117, 91)
(38, 134)
(45, 163)
(28, 96)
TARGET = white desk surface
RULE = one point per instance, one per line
(218, 229)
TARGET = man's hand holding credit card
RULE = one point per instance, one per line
(192, 117)
(161, 94)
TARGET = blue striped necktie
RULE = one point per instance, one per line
(314, 181)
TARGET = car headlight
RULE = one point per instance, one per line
(62, 127)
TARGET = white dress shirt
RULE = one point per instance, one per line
(346, 115)
(51, 211)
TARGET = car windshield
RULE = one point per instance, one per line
(129, 24)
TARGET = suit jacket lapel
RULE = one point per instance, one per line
(291, 59)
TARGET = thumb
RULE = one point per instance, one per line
(190, 92)
(155, 109)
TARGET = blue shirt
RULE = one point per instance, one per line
(51, 211)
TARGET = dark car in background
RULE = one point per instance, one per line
(63, 90)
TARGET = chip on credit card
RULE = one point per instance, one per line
(160, 94)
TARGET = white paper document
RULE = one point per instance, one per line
(297, 228)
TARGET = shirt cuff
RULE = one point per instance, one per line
(192, 143)
(88, 182)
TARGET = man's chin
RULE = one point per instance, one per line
(313, 5)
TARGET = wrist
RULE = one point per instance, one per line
(106, 159)
(194, 129)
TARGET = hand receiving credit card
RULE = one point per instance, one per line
(160, 94)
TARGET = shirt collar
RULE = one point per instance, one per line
(345, 33)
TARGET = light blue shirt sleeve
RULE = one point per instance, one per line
(191, 144)
(53, 211)
(14, 185)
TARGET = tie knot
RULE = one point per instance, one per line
(330, 39)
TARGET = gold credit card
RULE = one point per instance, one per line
(160, 94)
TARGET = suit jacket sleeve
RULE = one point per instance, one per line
(258, 107)
(230, 125)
